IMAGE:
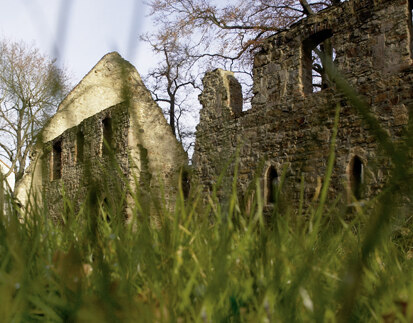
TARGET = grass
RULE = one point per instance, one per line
(213, 259)
(207, 261)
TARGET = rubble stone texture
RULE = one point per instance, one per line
(108, 134)
(289, 126)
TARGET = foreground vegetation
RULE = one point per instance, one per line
(207, 261)
(215, 259)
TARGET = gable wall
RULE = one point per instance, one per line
(146, 152)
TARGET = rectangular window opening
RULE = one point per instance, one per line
(272, 182)
(107, 136)
(80, 143)
(319, 78)
(314, 76)
(57, 160)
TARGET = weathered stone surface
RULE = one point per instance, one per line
(290, 128)
(110, 104)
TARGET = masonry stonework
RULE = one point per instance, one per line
(290, 124)
(108, 134)
(110, 116)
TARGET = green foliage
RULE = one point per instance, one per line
(211, 258)
(204, 261)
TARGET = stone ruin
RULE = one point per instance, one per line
(289, 127)
(109, 134)
(110, 115)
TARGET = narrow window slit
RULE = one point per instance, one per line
(80, 143)
(57, 160)
(272, 182)
(185, 183)
(356, 177)
(107, 136)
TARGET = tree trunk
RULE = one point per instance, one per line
(172, 116)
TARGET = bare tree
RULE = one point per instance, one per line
(31, 87)
(170, 83)
(227, 33)
(206, 35)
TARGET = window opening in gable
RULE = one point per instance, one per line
(80, 143)
(356, 177)
(314, 76)
(57, 160)
(107, 135)
(272, 182)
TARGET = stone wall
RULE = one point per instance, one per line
(110, 102)
(87, 161)
(289, 126)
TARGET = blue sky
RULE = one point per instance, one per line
(79, 32)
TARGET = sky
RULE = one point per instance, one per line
(79, 32)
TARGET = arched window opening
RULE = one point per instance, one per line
(272, 182)
(57, 160)
(80, 143)
(107, 135)
(356, 176)
(314, 76)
